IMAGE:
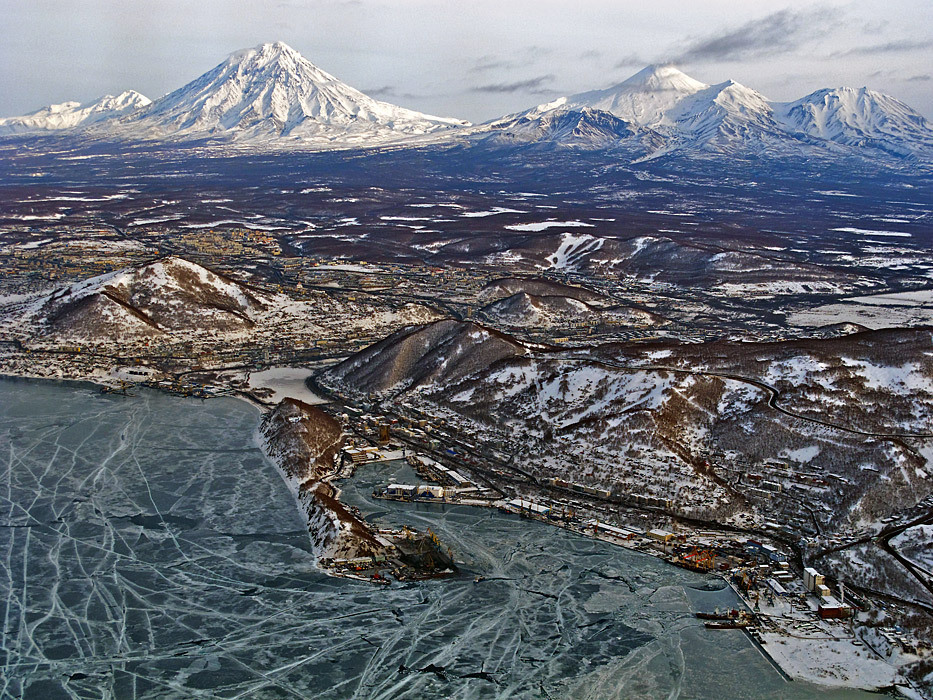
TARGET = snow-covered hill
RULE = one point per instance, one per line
(674, 420)
(69, 115)
(173, 301)
(159, 297)
(524, 310)
(271, 92)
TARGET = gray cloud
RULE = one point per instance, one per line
(532, 85)
(631, 60)
(888, 47)
(384, 91)
(488, 63)
(920, 78)
(875, 26)
(391, 92)
(777, 33)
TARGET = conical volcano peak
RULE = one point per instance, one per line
(275, 54)
(271, 91)
(664, 76)
(644, 98)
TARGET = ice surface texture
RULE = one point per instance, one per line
(150, 550)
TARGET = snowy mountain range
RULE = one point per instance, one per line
(680, 113)
(270, 96)
(69, 115)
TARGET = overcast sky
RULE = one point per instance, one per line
(475, 60)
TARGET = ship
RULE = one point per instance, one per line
(726, 624)
(717, 615)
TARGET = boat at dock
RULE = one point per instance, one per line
(726, 624)
(718, 615)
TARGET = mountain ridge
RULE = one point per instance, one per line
(68, 115)
(270, 96)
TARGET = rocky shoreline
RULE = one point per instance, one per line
(304, 442)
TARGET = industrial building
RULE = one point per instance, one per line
(830, 608)
(522, 506)
(812, 579)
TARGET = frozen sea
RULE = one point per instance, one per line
(149, 550)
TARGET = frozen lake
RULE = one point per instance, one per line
(150, 550)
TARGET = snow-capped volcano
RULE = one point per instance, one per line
(68, 115)
(668, 110)
(272, 91)
(858, 117)
(644, 99)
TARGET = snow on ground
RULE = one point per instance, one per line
(130, 374)
(870, 232)
(922, 296)
(285, 382)
(35, 217)
(543, 225)
(736, 289)
(832, 662)
(409, 314)
(157, 220)
(235, 222)
(878, 311)
(343, 268)
(916, 543)
(490, 212)
(794, 370)
(572, 249)
(75, 198)
(26, 246)
(803, 455)
(905, 380)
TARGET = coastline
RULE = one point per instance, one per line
(788, 666)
